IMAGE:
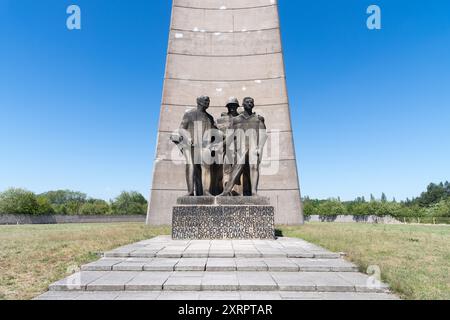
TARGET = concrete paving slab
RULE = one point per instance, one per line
(221, 264)
(247, 254)
(179, 283)
(268, 253)
(251, 264)
(297, 253)
(140, 295)
(148, 281)
(186, 274)
(191, 264)
(196, 254)
(112, 281)
(260, 295)
(219, 295)
(335, 296)
(220, 281)
(144, 260)
(329, 282)
(289, 281)
(144, 253)
(363, 283)
(164, 253)
(325, 255)
(161, 264)
(104, 264)
(219, 253)
(281, 265)
(129, 266)
(98, 295)
(324, 265)
(256, 281)
(59, 295)
(179, 295)
(77, 281)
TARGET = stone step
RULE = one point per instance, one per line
(162, 268)
(218, 281)
(219, 254)
(213, 295)
(165, 247)
(221, 264)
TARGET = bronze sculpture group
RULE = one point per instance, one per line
(223, 157)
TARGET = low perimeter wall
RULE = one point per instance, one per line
(53, 219)
(357, 219)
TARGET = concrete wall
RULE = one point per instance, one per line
(54, 219)
(224, 48)
(350, 219)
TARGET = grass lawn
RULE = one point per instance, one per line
(414, 259)
(34, 256)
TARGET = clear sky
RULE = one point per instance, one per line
(370, 109)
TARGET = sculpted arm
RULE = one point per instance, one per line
(182, 137)
(184, 130)
(262, 135)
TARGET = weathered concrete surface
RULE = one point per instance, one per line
(195, 269)
(214, 295)
(12, 219)
(351, 219)
(225, 48)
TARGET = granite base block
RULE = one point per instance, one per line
(230, 201)
(223, 222)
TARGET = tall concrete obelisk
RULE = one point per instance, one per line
(224, 48)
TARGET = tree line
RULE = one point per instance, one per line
(67, 202)
(432, 203)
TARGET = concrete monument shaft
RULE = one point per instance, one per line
(224, 48)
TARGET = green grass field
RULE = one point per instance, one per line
(34, 256)
(414, 260)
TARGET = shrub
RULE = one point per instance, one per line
(310, 207)
(73, 208)
(18, 201)
(331, 208)
(96, 207)
(44, 206)
(129, 203)
(59, 197)
(413, 211)
(59, 209)
(440, 209)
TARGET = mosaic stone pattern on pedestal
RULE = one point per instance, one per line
(223, 222)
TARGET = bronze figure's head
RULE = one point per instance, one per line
(203, 102)
(248, 104)
(233, 105)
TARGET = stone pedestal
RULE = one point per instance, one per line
(223, 218)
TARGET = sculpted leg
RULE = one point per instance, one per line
(227, 171)
(235, 176)
(254, 178)
(190, 179)
(206, 180)
(246, 181)
(190, 172)
(198, 180)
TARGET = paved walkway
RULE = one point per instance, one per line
(161, 268)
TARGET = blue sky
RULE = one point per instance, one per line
(80, 109)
